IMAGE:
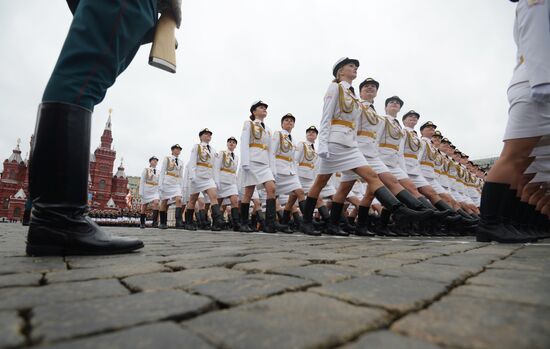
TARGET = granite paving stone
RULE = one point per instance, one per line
(62, 321)
(27, 297)
(12, 265)
(320, 273)
(447, 274)
(467, 322)
(179, 279)
(21, 279)
(266, 265)
(389, 340)
(251, 287)
(394, 293)
(294, 320)
(10, 329)
(165, 335)
(111, 271)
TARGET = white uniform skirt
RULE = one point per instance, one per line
(327, 191)
(227, 190)
(392, 163)
(436, 185)
(150, 194)
(258, 174)
(283, 199)
(418, 180)
(341, 159)
(358, 190)
(201, 184)
(306, 183)
(526, 118)
(169, 191)
(286, 184)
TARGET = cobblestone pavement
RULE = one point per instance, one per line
(235, 290)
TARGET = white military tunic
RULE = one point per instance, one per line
(411, 150)
(227, 164)
(256, 153)
(201, 168)
(528, 118)
(390, 146)
(337, 132)
(430, 158)
(306, 159)
(286, 178)
(171, 178)
(149, 185)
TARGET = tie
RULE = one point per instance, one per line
(177, 162)
(290, 137)
(352, 90)
(263, 125)
(154, 171)
(208, 147)
(372, 106)
(312, 146)
(232, 156)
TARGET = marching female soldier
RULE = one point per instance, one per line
(339, 152)
(227, 164)
(171, 186)
(258, 165)
(203, 179)
(149, 191)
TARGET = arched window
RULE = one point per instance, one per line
(17, 212)
(102, 184)
(6, 203)
(12, 175)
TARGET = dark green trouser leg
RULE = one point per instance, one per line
(103, 39)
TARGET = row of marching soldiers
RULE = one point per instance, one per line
(370, 173)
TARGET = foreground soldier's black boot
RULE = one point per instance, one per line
(245, 228)
(26, 217)
(438, 214)
(363, 222)
(453, 217)
(399, 211)
(179, 218)
(235, 219)
(155, 218)
(58, 181)
(285, 221)
(190, 223)
(333, 228)
(163, 220)
(490, 227)
(217, 218)
(142, 221)
(414, 204)
(307, 213)
(270, 213)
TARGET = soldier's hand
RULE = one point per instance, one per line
(541, 93)
(172, 6)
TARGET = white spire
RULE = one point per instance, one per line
(108, 123)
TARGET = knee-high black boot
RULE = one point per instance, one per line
(363, 222)
(285, 221)
(58, 179)
(414, 204)
(142, 220)
(270, 213)
(155, 218)
(179, 218)
(190, 223)
(245, 227)
(217, 217)
(399, 211)
(333, 228)
(163, 220)
(235, 219)
(307, 209)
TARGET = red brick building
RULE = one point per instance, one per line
(106, 191)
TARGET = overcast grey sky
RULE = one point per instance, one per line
(449, 60)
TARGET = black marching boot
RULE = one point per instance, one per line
(244, 227)
(270, 213)
(217, 218)
(307, 209)
(491, 227)
(142, 221)
(333, 228)
(399, 211)
(284, 227)
(179, 218)
(190, 223)
(58, 181)
(155, 218)
(163, 220)
(414, 204)
(235, 219)
(363, 222)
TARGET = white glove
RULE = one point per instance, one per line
(324, 155)
(246, 167)
(541, 93)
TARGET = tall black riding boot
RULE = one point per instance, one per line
(284, 227)
(217, 217)
(399, 211)
(270, 213)
(490, 227)
(155, 218)
(245, 208)
(235, 219)
(414, 204)
(163, 220)
(179, 218)
(438, 214)
(142, 221)
(307, 209)
(363, 222)
(58, 180)
(333, 228)
(453, 218)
